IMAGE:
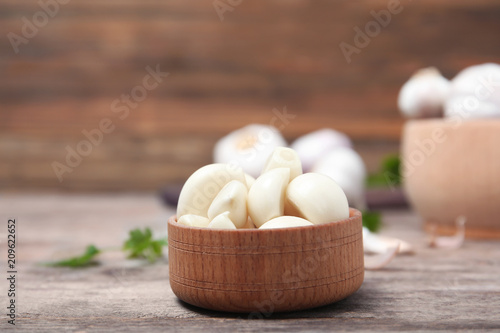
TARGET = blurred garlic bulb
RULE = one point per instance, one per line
(248, 147)
(424, 94)
(346, 167)
(312, 146)
(475, 92)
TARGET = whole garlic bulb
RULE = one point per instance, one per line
(346, 167)
(312, 146)
(249, 147)
(475, 92)
(424, 94)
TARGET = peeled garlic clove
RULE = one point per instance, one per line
(424, 94)
(346, 167)
(316, 198)
(312, 146)
(266, 198)
(475, 93)
(232, 198)
(203, 186)
(283, 157)
(249, 180)
(192, 220)
(285, 222)
(248, 147)
(222, 221)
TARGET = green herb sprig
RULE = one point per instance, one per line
(140, 244)
(389, 174)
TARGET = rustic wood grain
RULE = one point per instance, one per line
(223, 75)
(453, 290)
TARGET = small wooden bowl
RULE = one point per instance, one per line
(452, 168)
(265, 271)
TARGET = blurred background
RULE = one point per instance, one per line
(68, 66)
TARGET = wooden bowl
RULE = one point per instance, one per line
(265, 271)
(452, 168)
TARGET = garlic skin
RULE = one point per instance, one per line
(316, 198)
(283, 157)
(285, 222)
(266, 198)
(424, 94)
(233, 199)
(203, 186)
(312, 146)
(346, 167)
(191, 220)
(475, 93)
(248, 147)
(222, 221)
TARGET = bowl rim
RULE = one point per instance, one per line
(354, 214)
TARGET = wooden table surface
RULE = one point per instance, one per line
(430, 290)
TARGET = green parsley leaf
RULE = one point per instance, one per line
(389, 174)
(141, 245)
(86, 259)
(372, 220)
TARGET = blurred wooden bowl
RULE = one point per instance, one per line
(265, 271)
(451, 167)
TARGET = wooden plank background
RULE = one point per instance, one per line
(223, 75)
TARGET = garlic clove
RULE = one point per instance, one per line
(203, 186)
(316, 198)
(475, 93)
(424, 94)
(266, 198)
(248, 147)
(222, 221)
(285, 222)
(346, 167)
(311, 147)
(378, 244)
(232, 198)
(192, 220)
(249, 180)
(379, 261)
(283, 157)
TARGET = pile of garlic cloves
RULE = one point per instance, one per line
(223, 196)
